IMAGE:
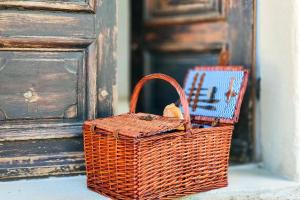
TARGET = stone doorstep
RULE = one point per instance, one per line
(246, 182)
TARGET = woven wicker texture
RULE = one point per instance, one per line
(154, 166)
(137, 125)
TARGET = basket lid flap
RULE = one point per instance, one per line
(216, 93)
(137, 124)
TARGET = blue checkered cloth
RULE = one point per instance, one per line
(219, 82)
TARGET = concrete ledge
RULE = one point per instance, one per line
(251, 182)
(248, 182)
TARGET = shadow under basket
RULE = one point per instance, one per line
(145, 156)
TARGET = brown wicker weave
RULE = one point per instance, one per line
(143, 156)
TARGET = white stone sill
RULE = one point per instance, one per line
(245, 182)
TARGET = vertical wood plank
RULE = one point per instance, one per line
(107, 63)
(92, 80)
(240, 38)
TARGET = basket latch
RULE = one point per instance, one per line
(116, 134)
(92, 128)
(215, 122)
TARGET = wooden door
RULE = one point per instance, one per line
(57, 69)
(171, 36)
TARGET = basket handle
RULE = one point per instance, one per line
(171, 81)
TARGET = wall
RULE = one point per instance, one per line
(277, 58)
(123, 55)
(297, 90)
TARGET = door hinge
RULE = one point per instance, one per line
(257, 88)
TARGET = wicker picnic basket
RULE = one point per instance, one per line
(145, 156)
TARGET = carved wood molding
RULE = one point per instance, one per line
(41, 132)
(170, 47)
(84, 6)
(52, 164)
(8, 43)
(163, 12)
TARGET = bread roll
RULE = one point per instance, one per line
(173, 111)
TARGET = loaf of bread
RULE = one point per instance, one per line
(173, 111)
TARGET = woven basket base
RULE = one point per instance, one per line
(189, 191)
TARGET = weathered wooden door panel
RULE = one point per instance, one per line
(57, 69)
(168, 11)
(44, 85)
(171, 36)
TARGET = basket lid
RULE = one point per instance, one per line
(216, 93)
(136, 124)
